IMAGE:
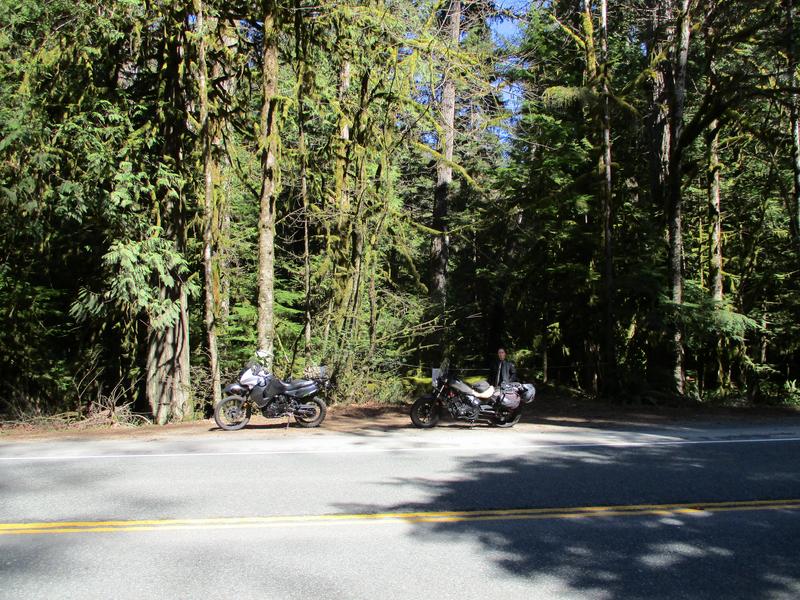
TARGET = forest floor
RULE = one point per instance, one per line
(545, 413)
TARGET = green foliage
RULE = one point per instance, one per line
(101, 176)
(137, 270)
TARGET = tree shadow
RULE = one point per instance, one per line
(736, 554)
(261, 426)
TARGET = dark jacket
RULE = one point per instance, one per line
(502, 372)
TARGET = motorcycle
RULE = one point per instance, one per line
(501, 406)
(257, 390)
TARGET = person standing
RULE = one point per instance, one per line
(502, 370)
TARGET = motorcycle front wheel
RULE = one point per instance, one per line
(314, 411)
(232, 414)
(424, 413)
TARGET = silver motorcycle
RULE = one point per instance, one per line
(255, 389)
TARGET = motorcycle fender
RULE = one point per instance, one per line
(234, 389)
(437, 402)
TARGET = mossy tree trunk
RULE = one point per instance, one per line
(270, 180)
(440, 246)
(167, 384)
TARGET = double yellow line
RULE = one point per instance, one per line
(393, 517)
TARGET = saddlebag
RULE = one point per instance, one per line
(510, 398)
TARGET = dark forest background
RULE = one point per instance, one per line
(609, 188)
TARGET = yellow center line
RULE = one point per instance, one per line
(394, 517)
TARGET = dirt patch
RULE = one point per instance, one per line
(344, 418)
(378, 417)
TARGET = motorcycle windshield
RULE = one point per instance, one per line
(444, 367)
(440, 373)
(253, 376)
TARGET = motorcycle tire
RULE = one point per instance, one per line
(317, 420)
(424, 413)
(505, 423)
(227, 411)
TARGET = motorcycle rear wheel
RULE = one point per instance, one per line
(509, 421)
(320, 410)
(231, 414)
(424, 413)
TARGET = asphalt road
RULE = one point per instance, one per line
(694, 510)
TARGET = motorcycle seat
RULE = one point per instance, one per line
(290, 386)
(487, 393)
(480, 390)
(483, 390)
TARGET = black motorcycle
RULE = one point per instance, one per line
(500, 406)
(256, 389)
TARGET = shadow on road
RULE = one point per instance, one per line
(260, 426)
(372, 420)
(747, 554)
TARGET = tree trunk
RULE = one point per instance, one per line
(339, 238)
(596, 114)
(669, 47)
(302, 90)
(341, 249)
(440, 247)
(715, 213)
(373, 312)
(224, 233)
(675, 197)
(713, 182)
(590, 52)
(544, 359)
(662, 35)
(341, 195)
(167, 384)
(228, 84)
(794, 119)
(268, 147)
(715, 235)
(306, 247)
(609, 354)
(210, 216)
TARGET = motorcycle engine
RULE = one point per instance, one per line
(469, 408)
(277, 408)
